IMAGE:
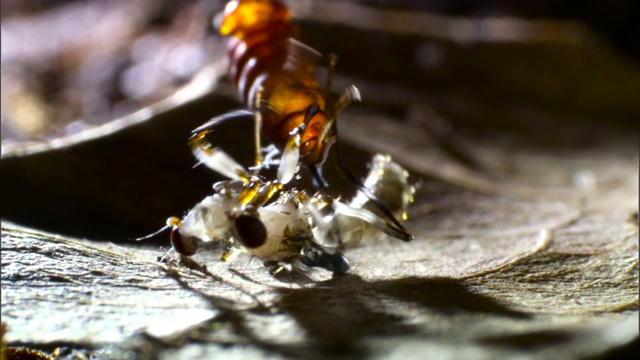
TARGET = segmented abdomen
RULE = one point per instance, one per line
(260, 53)
(265, 60)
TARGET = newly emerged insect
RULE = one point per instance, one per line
(251, 215)
(274, 74)
(279, 232)
(262, 218)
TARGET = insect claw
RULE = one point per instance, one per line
(209, 125)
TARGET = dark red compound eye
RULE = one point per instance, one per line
(250, 231)
(185, 245)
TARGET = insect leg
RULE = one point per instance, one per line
(257, 130)
(209, 125)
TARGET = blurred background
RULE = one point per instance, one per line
(68, 65)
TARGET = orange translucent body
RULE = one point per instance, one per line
(242, 16)
(262, 61)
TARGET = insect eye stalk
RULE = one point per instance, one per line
(184, 245)
(250, 231)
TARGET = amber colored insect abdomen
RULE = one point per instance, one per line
(261, 60)
(260, 30)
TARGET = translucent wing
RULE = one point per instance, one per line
(301, 58)
(289, 160)
(215, 158)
